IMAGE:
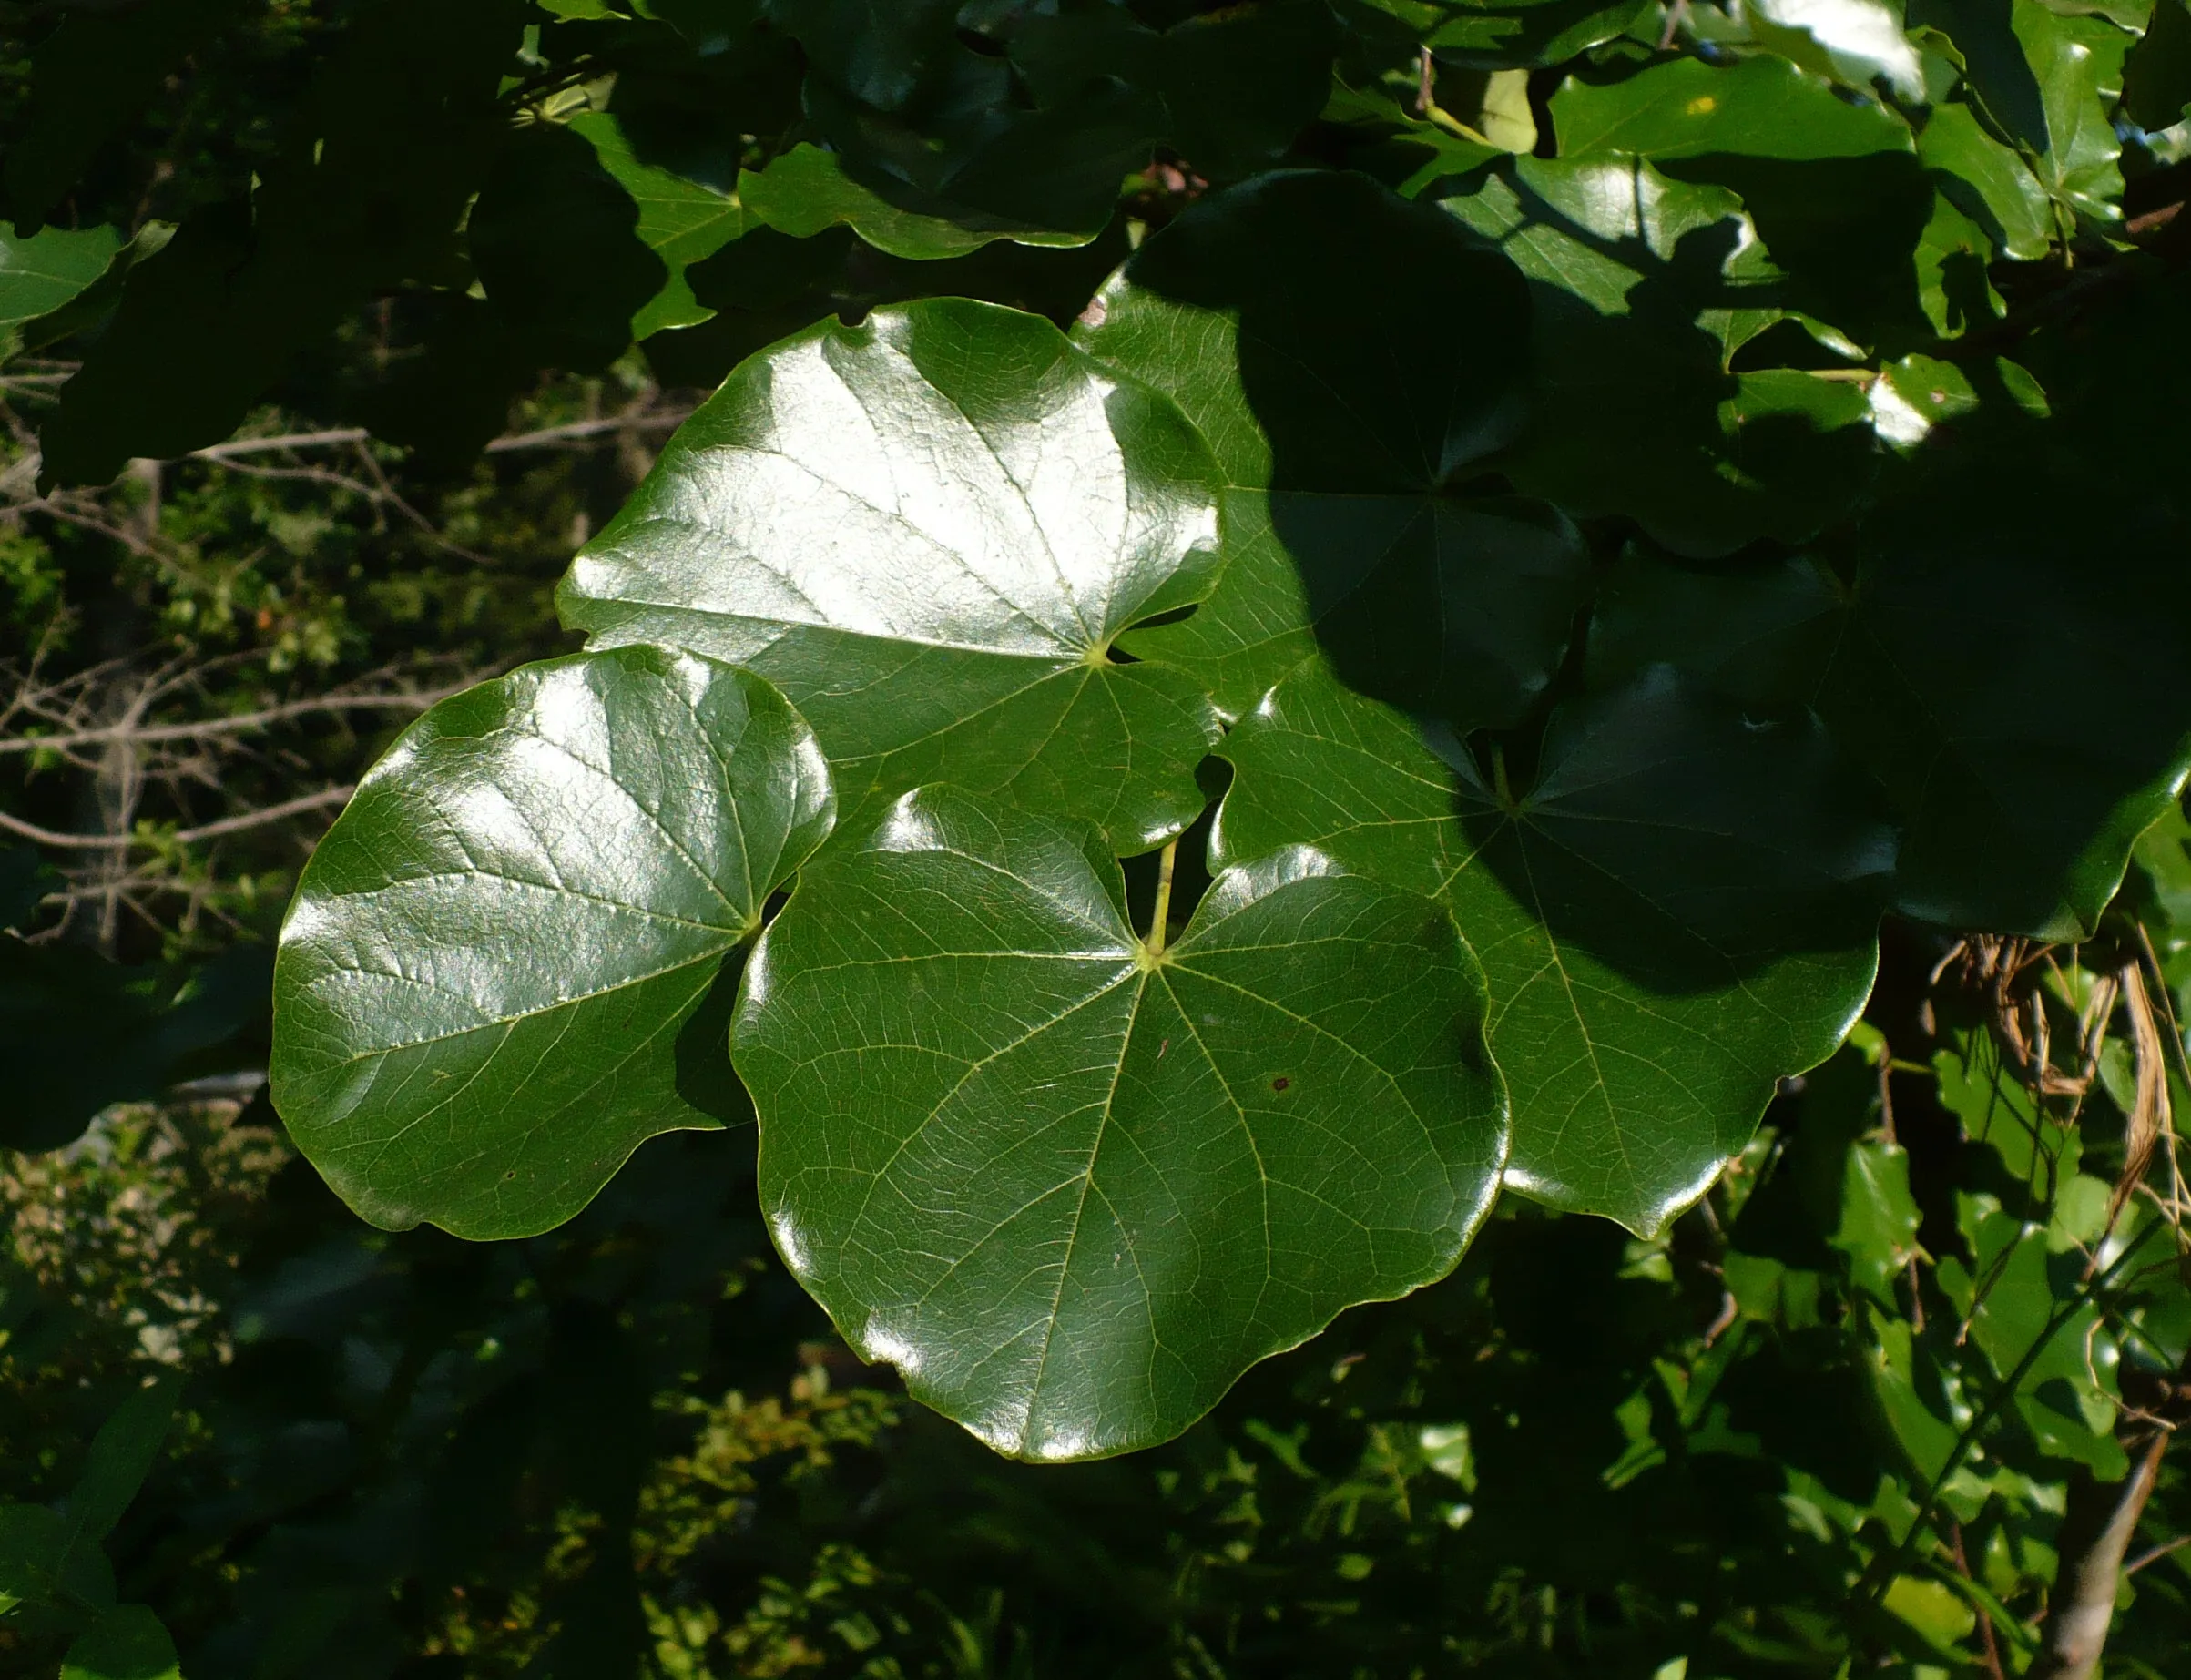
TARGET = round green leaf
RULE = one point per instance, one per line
(928, 530)
(495, 982)
(1073, 1187)
(1677, 914)
(1349, 355)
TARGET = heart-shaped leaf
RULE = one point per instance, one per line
(1072, 1183)
(1675, 916)
(504, 969)
(1340, 428)
(928, 530)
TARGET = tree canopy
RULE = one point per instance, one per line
(1268, 641)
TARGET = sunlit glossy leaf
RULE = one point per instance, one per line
(682, 221)
(1341, 430)
(929, 530)
(1832, 185)
(1073, 1187)
(1995, 186)
(1684, 107)
(2078, 62)
(1675, 916)
(1859, 42)
(504, 968)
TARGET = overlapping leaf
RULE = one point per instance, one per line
(1676, 915)
(505, 967)
(1922, 649)
(1235, 83)
(1072, 1183)
(805, 191)
(2078, 65)
(397, 138)
(932, 125)
(1643, 288)
(1989, 180)
(1511, 32)
(929, 530)
(127, 1643)
(47, 272)
(1340, 428)
(681, 220)
(1832, 185)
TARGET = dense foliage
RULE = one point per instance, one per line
(1559, 519)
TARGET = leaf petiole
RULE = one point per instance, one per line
(1160, 917)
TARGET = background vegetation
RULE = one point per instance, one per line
(1869, 1407)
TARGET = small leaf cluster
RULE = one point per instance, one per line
(53, 1571)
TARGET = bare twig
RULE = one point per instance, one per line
(665, 421)
(270, 813)
(236, 447)
(239, 724)
(643, 420)
(1985, 1621)
(2155, 1553)
(204, 831)
(2095, 1532)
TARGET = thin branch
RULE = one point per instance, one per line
(291, 439)
(578, 429)
(2096, 1532)
(243, 723)
(272, 813)
(47, 837)
(2155, 1553)
(342, 436)
(185, 837)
